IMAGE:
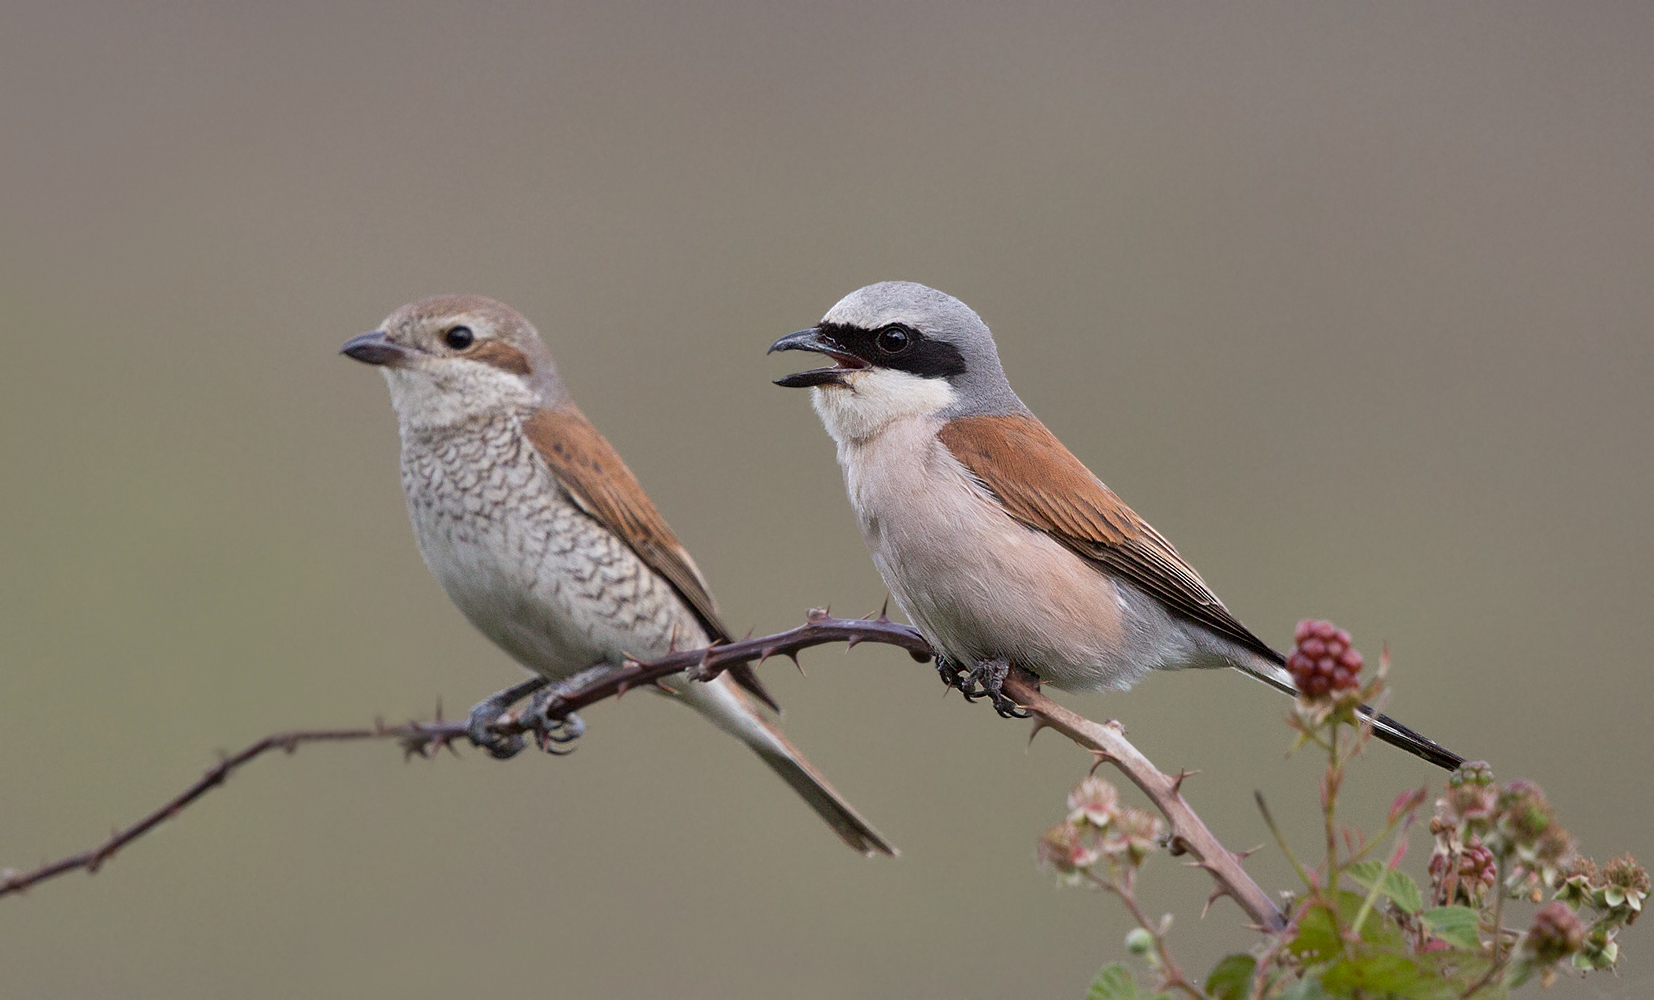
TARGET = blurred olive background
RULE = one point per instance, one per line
(1353, 302)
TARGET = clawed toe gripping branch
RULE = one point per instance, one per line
(549, 718)
(985, 680)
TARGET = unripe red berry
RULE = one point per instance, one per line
(1322, 660)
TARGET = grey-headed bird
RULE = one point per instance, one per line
(541, 535)
(996, 542)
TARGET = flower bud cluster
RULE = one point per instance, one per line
(1472, 772)
(1098, 830)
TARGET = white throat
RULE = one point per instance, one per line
(451, 392)
(872, 399)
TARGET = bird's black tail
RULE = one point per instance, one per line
(1384, 727)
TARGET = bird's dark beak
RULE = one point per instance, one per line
(814, 339)
(375, 348)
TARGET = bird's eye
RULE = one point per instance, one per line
(459, 337)
(894, 340)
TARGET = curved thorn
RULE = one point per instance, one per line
(1216, 895)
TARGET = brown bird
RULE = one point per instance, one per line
(544, 539)
(997, 543)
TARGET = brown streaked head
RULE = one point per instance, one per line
(461, 342)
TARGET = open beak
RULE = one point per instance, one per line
(815, 340)
(376, 349)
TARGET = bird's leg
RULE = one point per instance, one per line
(548, 731)
(488, 711)
(987, 680)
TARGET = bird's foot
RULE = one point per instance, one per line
(987, 680)
(549, 733)
(952, 674)
(479, 724)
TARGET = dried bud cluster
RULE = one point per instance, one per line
(1067, 850)
(1625, 883)
(1323, 662)
(1476, 871)
(1098, 829)
(1482, 828)
(1616, 891)
(1477, 821)
(1528, 823)
(1555, 934)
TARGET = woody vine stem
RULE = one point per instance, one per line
(1106, 742)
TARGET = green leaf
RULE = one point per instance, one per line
(1305, 989)
(1318, 939)
(1387, 975)
(1458, 971)
(1521, 971)
(1394, 883)
(1459, 926)
(1232, 978)
(1402, 890)
(1115, 982)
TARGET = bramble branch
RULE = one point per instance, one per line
(429, 738)
(1189, 834)
(93, 859)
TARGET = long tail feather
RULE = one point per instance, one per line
(735, 712)
(1384, 727)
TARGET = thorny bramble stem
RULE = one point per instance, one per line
(1189, 834)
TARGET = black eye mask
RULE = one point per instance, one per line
(921, 355)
